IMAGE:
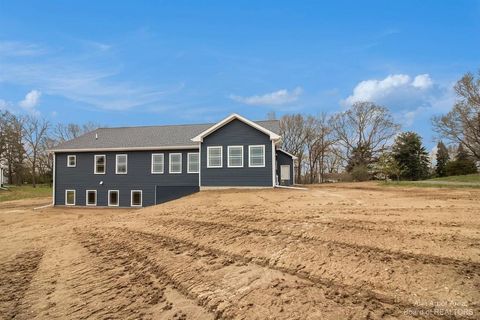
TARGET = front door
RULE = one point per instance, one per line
(285, 173)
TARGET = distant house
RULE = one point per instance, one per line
(143, 166)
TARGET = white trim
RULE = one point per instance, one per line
(188, 162)
(74, 197)
(86, 197)
(221, 156)
(228, 157)
(118, 198)
(141, 198)
(233, 187)
(68, 160)
(170, 163)
(125, 149)
(274, 164)
(250, 152)
(233, 116)
(126, 163)
(95, 164)
(54, 177)
(163, 163)
(200, 165)
(289, 154)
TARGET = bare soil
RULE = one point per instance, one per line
(346, 251)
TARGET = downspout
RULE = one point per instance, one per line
(53, 177)
(274, 165)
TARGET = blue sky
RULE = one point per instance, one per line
(161, 62)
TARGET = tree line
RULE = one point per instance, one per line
(25, 142)
(364, 142)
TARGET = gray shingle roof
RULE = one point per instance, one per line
(145, 137)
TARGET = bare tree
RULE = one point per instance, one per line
(65, 132)
(35, 133)
(13, 151)
(364, 130)
(462, 123)
(292, 130)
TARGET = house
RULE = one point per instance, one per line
(143, 166)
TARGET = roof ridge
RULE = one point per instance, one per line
(173, 125)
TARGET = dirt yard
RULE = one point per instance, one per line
(333, 252)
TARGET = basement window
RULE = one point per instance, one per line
(136, 200)
(91, 197)
(69, 197)
(113, 198)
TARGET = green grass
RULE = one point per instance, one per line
(466, 178)
(465, 181)
(25, 192)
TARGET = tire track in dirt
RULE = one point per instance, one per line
(238, 288)
(336, 291)
(15, 277)
(380, 270)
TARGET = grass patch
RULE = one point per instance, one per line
(475, 178)
(25, 192)
(419, 184)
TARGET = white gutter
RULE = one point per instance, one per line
(53, 177)
(126, 149)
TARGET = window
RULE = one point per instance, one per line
(256, 156)
(113, 198)
(100, 164)
(91, 198)
(214, 157)
(235, 156)
(69, 197)
(157, 162)
(136, 198)
(193, 163)
(175, 163)
(121, 164)
(71, 161)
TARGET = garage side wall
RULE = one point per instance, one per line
(236, 133)
(138, 177)
(284, 159)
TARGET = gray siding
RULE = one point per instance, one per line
(139, 177)
(236, 133)
(284, 159)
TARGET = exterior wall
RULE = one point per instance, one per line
(138, 177)
(284, 159)
(236, 133)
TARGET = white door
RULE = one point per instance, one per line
(284, 172)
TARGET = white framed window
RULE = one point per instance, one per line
(193, 163)
(157, 162)
(256, 156)
(71, 161)
(136, 198)
(91, 197)
(70, 197)
(235, 156)
(113, 198)
(121, 162)
(100, 164)
(214, 157)
(175, 163)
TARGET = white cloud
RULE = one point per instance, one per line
(20, 49)
(31, 100)
(408, 97)
(279, 97)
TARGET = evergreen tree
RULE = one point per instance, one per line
(463, 163)
(411, 156)
(442, 160)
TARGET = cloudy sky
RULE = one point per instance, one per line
(161, 62)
